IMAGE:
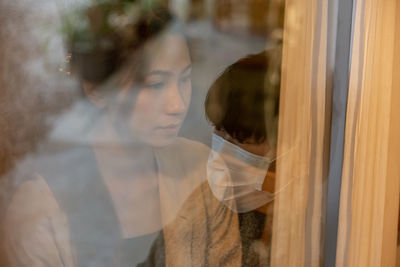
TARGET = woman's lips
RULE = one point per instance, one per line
(169, 129)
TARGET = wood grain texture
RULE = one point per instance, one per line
(370, 181)
(303, 138)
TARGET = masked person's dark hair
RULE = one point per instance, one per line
(237, 101)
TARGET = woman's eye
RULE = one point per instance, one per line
(157, 85)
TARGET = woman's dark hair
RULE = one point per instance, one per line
(240, 100)
(99, 64)
(153, 25)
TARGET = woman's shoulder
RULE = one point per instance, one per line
(32, 199)
(187, 154)
(182, 169)
(200, 199)
(35, 227)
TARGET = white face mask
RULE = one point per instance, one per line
(236, 176)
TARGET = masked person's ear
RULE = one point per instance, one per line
(93, 94)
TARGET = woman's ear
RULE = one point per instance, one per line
(94, 96)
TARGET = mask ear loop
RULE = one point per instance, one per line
(284, 153)
(288, 183)
(291, 180)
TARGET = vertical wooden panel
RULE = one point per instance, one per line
(370, 182)
(393, 193)
(303, 135)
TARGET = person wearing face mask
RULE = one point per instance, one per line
(227, 221)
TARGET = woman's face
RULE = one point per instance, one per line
(161, 101)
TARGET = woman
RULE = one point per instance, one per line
(103, 204)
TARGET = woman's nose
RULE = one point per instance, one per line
(174, 101)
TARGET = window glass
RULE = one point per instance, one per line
(145, 133)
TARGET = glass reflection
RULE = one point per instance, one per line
(102, 200)
(109, 173)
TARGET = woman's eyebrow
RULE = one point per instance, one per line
(168, 73)
(159, 72)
